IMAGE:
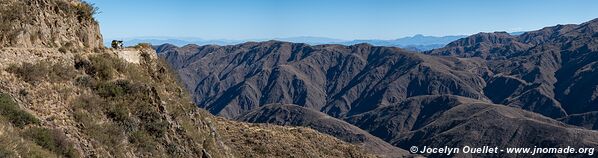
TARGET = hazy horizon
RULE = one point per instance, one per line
(272, 38)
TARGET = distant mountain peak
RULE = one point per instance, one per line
(418, 35)
(417, 42)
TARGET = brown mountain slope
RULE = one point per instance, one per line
(293, 115)
(587, 120)
(111, 108)
(334, 79)
(263, 140)
(391, 121)
(511, 127)
(438, 121)
(402, 98)
(548, 71)
(483, 45)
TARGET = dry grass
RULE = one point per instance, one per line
(11, 111)
(262, 140)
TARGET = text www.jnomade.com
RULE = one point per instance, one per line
(496, 150)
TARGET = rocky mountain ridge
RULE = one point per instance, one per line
(509, 85)
(333, 79)
(550, 65)
(49, 23)
(415, 43)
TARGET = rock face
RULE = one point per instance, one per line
(81, 100)
(48, 23)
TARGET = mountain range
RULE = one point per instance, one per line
(537, 88)
(416, 43)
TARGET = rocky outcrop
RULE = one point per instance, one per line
(48, 23)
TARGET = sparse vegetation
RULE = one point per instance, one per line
(43, 70)
(109, 134)
(23, 92)
(143, 46)
(61, 72)
(102, 67)
(11, 111)
(14, 145)
(143, 140)
(52, 140)
(31, 73)
(114, 89)
(85, 81)
(86, 10)
(90, 109)
(11, 13)
(15, 12)
(123, 93)
(6, 153)
(90, 103)
(36, 36)
(69, 47)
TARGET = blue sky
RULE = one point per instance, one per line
(342, 19)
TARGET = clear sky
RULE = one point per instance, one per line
(343, 19)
